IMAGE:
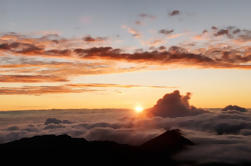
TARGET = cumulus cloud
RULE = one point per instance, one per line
(174, 105)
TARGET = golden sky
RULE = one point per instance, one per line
(103, 60)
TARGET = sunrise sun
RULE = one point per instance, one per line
(138, 109)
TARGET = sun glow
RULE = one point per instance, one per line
(138, 109)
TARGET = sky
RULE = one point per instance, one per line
(119, 54)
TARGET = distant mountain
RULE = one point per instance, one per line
(234, 108)
(63, 148)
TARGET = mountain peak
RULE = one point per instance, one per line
(169, 141)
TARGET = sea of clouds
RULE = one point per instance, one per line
(220, 136)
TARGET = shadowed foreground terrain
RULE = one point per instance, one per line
(63, 149)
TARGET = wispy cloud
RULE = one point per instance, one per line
(38, 90)
(31, 78)
(69, 88)
(117, 85)
(132, 31)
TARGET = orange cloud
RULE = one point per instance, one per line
(31, 78)
(51, 58)
(115, 85)
(175, 55)
(66, 88)
(38, 90)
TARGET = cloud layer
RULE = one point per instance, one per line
(51, 58)
(213, 131)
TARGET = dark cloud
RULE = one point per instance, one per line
(161, 48)
(174, 105)
(236, 31)
(54, 52)
(104, 125)
(18, 47)
(166, 31)
(174, 55)
(30, 129)
(223, 32)
(214, 28)
(174, 13)
(56, 121)
(233, 32)
(12, 128)
(91, 39)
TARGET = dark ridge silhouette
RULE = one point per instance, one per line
(169, 142)
(65, 149)
(44, 142)
(234, 108)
